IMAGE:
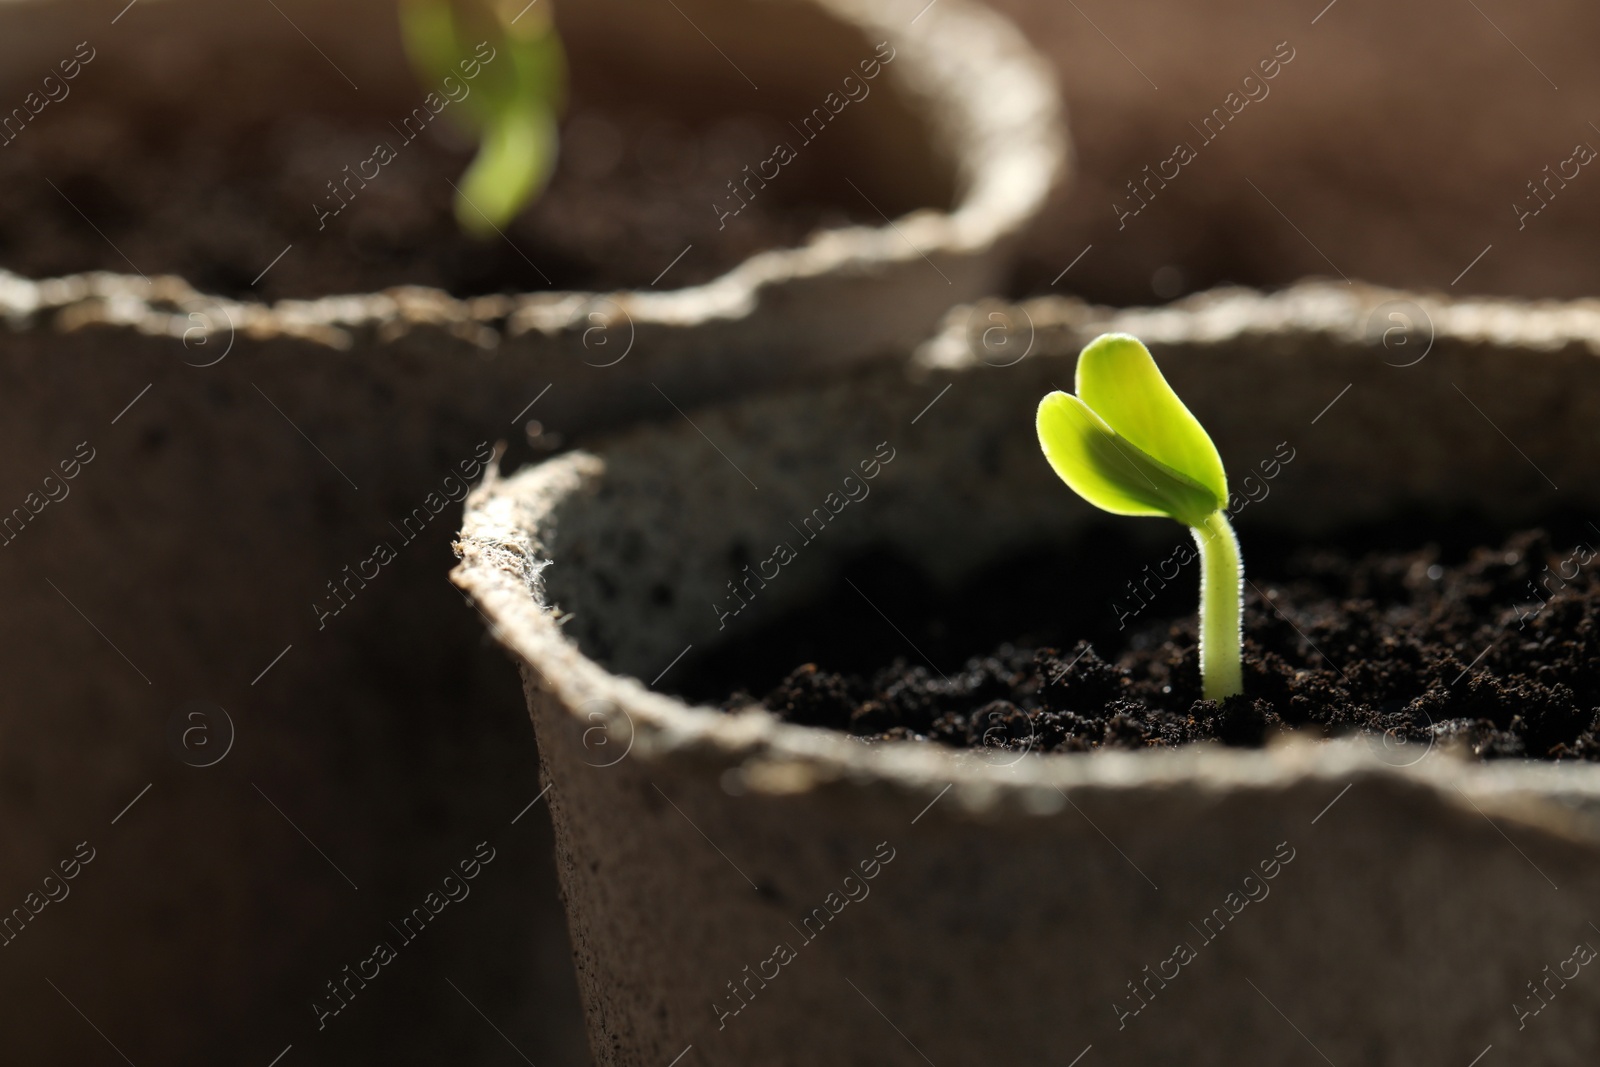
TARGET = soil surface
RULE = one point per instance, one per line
(92, 190)
(1491, 651)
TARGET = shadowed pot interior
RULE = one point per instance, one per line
(726, 876)
(249, 457)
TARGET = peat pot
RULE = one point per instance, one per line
(203, 608)
(1000, 906)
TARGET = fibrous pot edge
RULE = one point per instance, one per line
(994, 107)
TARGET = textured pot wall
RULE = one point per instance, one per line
(1397, 141)
(1403, 916)
(1401, 931)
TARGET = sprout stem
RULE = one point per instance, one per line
(1221, 607)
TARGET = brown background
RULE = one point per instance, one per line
(1396, 141)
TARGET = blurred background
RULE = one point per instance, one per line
(270, 761)
(1396, 145)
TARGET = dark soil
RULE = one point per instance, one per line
(631, 192)
(1418, 647)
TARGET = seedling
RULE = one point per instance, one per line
(514, 101)
(1127, 445)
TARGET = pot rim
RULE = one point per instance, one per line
(993, 108)
(502, 559)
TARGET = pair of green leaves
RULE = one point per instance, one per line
(513, 102)
(1126, 443)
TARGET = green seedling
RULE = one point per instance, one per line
(515, 99)
(1127, 445)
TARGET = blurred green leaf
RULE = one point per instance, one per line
(429, 30)
(514, 161)
(510, 57)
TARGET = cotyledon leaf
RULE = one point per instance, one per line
(1119, 380)
(1111, 472)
